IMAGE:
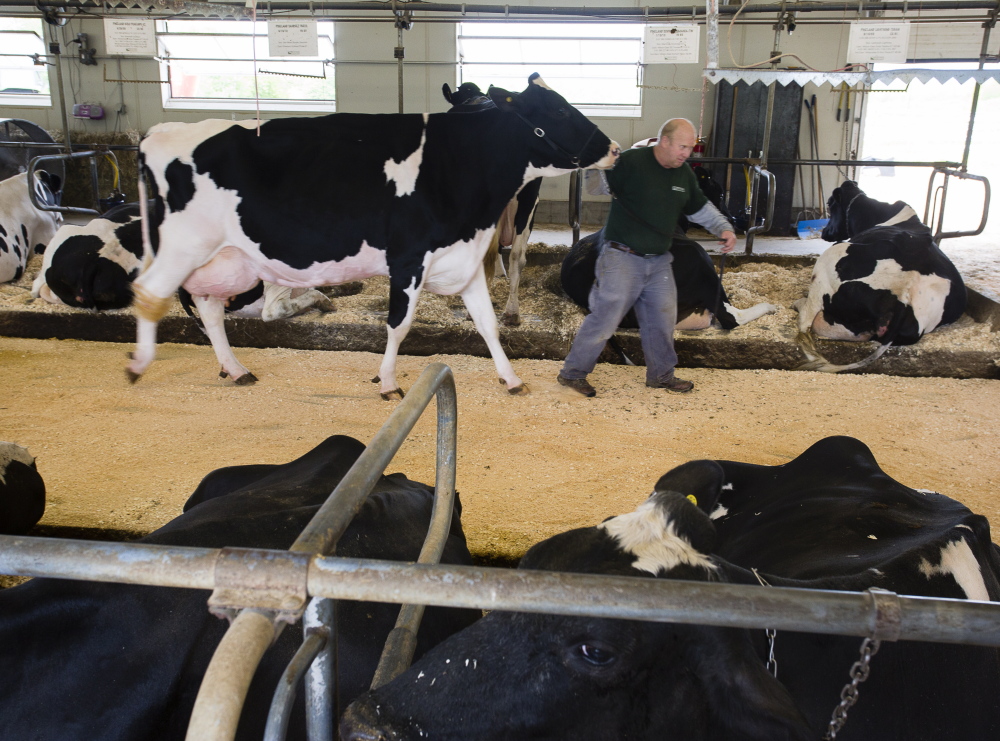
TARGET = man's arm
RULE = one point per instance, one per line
(712, 219)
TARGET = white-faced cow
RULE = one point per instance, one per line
(829, 519)
(117, 662)
(24, 228)
(22, 490)
(885, 280)
(319, 201)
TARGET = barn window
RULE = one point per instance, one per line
(24, 77)
(595, 66)
(212, 65)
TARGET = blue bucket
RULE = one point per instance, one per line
(811, 229)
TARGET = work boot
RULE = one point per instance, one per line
(577, 384)
(671, 383)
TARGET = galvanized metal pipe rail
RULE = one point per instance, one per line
(884, 615)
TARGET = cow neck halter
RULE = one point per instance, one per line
(847, 214)
(540, 133)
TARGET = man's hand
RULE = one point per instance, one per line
(728, 241)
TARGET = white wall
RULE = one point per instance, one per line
(366, 87)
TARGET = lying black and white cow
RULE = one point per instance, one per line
(22, 490)
(24, 228)
(93, 267)
(321, 201)
(118, 662)
(700, 295)
(885, 279)
(829, 519)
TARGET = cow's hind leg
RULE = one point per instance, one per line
(402, 309)
(477, 302)
(213, 316)
(518, 257)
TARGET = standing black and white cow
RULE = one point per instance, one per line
(24, 228)
(700, 294)
(117, 662)
(22, 490)
(829, 519)
(318, 201)
(884, 280)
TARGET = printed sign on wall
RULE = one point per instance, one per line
(878, 42)
(130, 37)
(673, 44)
(296, 38)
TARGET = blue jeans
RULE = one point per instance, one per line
(623, 281)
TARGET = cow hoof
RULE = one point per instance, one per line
(511, 320)
(247, 379)
(394, 395)
(223, 374)
(132, 375)
(376, 380)
(130, 355)
(325, 306)
(521, 390)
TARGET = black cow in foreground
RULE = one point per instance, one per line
(124, 663)
(829, 519)
(885, 279)
(700, 295)
(318, 201)
(22, 490)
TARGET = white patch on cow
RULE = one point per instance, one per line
(905, 214)
(449, 269)
(718, 512)
(958, 562)
(653, 539)
(926, 294)
(13, 452)
(404, 173)
(727, 486)
(926, 491)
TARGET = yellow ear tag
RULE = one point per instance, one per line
(510, 100)
(693, 499)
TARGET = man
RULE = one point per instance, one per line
(651, 188)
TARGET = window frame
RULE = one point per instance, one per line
(28, 100)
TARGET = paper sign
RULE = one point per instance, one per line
(130, 37)
(878, 42)
(297, 38)
(673, 44)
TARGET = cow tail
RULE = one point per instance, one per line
(492, 262)
(147, 245)
(816, 361)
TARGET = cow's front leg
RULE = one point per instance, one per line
(480, 308)
(402, 309)
(213, 316)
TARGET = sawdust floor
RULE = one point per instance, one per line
(123, 457)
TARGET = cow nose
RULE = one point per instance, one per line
(616, 148)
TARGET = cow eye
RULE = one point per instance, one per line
(562, 112)
(596, 655)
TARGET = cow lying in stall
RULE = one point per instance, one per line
(112, 661)
(22, 490)
(829, 519)
(327, 200)
(93, 267)
(885, 280)
(24, 228)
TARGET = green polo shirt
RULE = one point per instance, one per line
(656, 194)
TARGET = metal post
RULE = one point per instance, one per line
(975, 93)
(55, 49)
(322, 696)
(712, 33)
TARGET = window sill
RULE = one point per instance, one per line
(611, 111)
(249, 106)
(25, 101)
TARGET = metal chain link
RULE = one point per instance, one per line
(772, 662)
(849, 695)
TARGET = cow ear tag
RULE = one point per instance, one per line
(693, 499)
(510, 99)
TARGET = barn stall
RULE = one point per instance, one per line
(532, 478)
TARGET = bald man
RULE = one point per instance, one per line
(652, 187)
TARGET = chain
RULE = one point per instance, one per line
(772, 662)
(849, 695)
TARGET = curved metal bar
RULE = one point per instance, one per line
(33, 165)
(322, 696)
(284, 695)
(769, 210)
(928, 211)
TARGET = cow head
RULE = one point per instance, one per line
(467, 98)
(566, 139)
(852, 212)
(515, 676)
(838, 206)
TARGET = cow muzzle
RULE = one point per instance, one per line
(608, 161)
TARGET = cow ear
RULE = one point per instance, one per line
(742, 696)
(699, 481)
(504, 99)
(536, 79)
(446, 91)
